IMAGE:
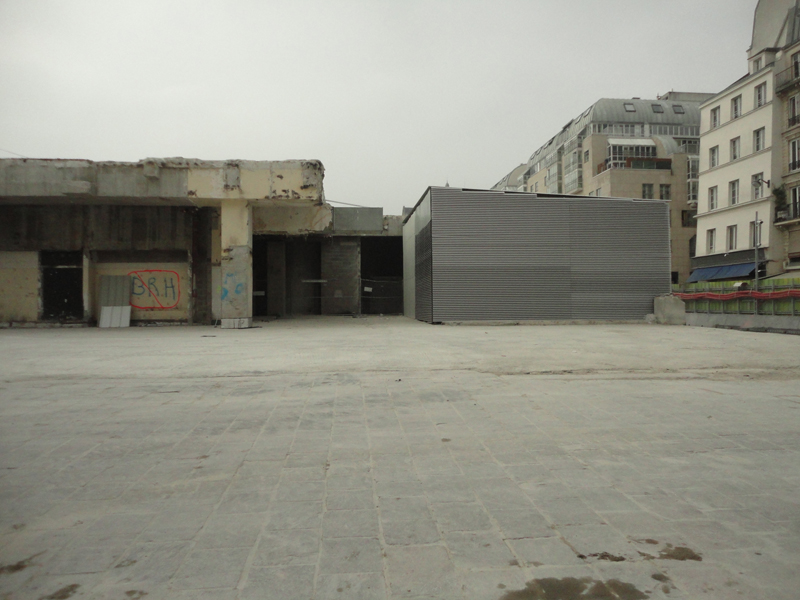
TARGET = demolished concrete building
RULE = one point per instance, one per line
(202, 241)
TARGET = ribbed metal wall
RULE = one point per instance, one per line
(502, 256)
(423, 269)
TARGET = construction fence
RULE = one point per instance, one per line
(774, 297)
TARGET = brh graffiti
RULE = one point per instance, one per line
(155, 289)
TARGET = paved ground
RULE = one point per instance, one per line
(384, 458)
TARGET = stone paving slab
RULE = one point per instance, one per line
(382, 458)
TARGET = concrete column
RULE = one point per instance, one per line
(236, 228)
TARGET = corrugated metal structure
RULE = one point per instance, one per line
(491, 255)
(115, 301)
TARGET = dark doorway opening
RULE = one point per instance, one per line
(286, 276)
(62, 285)
(382, 275)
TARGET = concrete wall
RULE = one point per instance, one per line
(94, 228)
(116, 240)
(159, 291)
(159, 181)
(759, 322)
(341, 269)
(19, 282)
(291, 220)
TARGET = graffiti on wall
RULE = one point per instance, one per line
(230, 285)
(155, 289)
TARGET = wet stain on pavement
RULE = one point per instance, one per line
(446, 440)
(18, 566)
(607, 556)
(666, 582)
(572, 588)
(62, 594)
(679, 553)
(135, 594)
(125, 563)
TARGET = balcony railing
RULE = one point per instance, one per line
(787, 78)
(794, 165)
(662, 164)
(790, 213)
(794, 120)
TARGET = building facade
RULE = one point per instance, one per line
(622, 148)
(747, 223)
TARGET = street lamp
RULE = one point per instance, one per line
(757, 183)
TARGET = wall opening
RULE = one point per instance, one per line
(62, 285)
(287, 277)
(381, 275)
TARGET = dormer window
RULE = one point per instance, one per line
(657, 108)
(629, 107)
(678, 109)
(756, 65)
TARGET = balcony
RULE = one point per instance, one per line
(794, 166)
(787, 78)
(788, 215)
(794, 120)
(661, 164)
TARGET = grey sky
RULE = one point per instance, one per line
(392, 96)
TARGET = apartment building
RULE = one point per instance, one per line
(787, 204)
(745, 217)
(626, 148)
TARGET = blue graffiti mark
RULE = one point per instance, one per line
(169, 284)
(224, 293)
(239, 288)
(137, 287)
(151, 283)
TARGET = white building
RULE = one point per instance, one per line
(741, 160)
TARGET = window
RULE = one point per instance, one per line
(712, 198)
(586, 156)
(711, 235)
(761, 94)
(647, 191)
(665, 191)
(794, 108)
(794, 203)
(536, 186)
(796, 65)
(733, 192)
(629, 107)
(736, 148)
(756, 65)
(713, 157)
(657, 108)
(794, 155)
(736, 107)
(678, 109)
(758, 185)
(715, 117)
(755, 234)
(687, 218)
(691, 191)
(759, 138)
(730, 238)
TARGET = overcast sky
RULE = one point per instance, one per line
(392, 96)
